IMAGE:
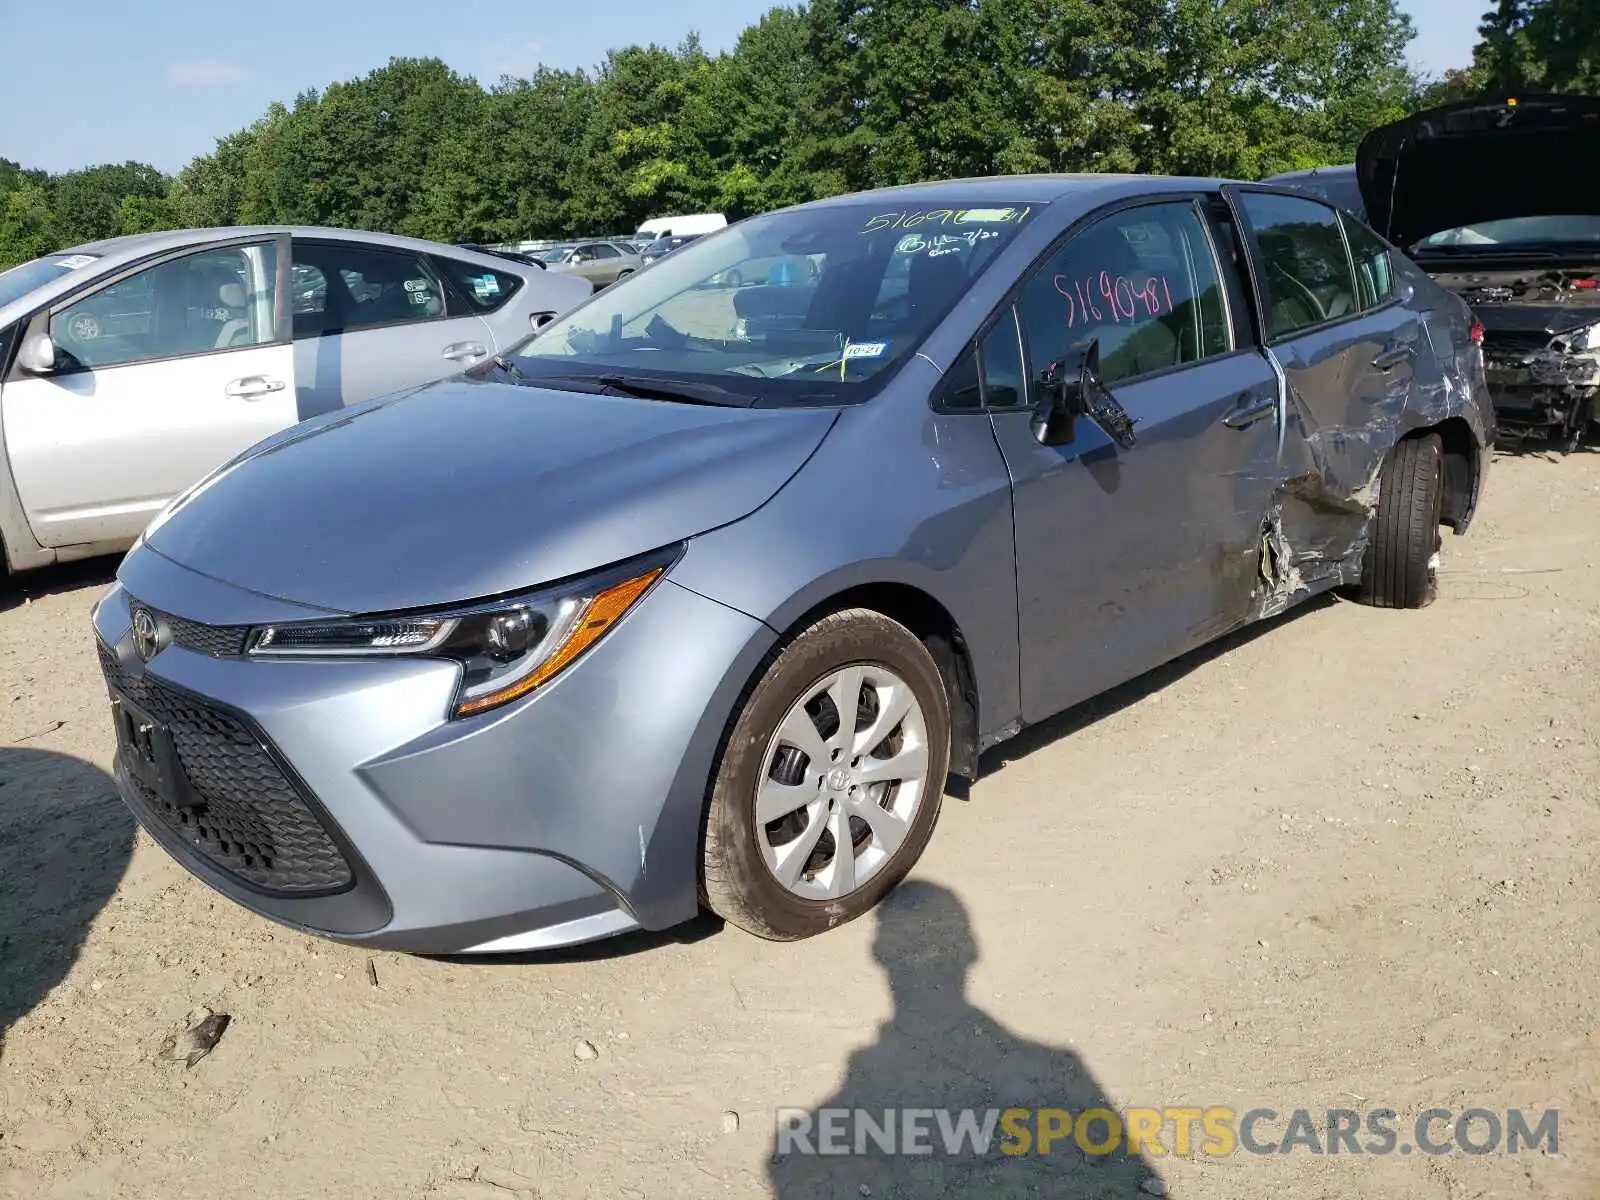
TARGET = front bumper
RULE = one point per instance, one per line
(571, 815)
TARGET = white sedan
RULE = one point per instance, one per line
(134, 366)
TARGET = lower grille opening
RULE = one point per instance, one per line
(254, 822)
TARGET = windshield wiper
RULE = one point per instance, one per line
(682, 391)
(675, 389)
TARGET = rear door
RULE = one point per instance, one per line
(1128, 557)
(163, 373)
(1348, 352)
(370, 320)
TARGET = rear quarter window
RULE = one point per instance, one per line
(483, 288)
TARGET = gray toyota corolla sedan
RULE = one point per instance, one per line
(697, 600)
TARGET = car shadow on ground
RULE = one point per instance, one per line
(18, 590)
(937, 1051)
(65, 842)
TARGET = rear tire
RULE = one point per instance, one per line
(784, 878)
(1400, 566)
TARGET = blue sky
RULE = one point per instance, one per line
(87, 81)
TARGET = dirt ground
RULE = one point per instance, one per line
(1342, 861)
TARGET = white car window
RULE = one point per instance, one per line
(345, 286)
(219, 299)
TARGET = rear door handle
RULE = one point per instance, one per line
(1394, 356)
(253, 387)
(464, 351)
(1252, 408)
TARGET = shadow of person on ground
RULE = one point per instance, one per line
(65, 841)
(938, 1051)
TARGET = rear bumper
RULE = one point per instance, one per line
(570, 816)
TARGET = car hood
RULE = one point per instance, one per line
(1481, 160)
(468, 489)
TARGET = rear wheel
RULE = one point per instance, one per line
(1401, 564)
(830, 781)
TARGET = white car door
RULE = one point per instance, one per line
(160, 376)
(369, 320)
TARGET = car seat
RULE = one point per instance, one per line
(237, 330)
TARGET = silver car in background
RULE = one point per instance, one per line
(132, 367)
(601, 263)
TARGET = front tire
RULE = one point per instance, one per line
(830, 780)
(1400, 566)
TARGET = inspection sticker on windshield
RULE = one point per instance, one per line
(865, 350)
(73, 261)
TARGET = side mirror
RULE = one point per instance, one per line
(1072, 388)
(37, 355)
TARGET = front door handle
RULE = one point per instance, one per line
(1393, 357)
(1252, 408)
(253, 387)
(464, 351)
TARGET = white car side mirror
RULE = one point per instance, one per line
(37, 355)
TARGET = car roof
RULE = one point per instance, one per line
(137, 245)
(1020, 189)
(113, 253)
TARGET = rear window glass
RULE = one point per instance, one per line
(485, 288)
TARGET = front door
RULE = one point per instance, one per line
(1127, 557)
(161, 376)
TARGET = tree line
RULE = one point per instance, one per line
(831, 96)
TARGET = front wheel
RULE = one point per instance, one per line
(830, 782)
(1401, 564)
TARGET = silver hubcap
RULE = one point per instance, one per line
(841, 782)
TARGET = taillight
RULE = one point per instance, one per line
(1476, 333)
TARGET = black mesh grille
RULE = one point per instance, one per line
(219, 641)
(254, 823)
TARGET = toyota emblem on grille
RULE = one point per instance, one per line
(146, 634)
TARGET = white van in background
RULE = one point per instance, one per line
(693, 223)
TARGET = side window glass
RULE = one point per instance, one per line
(198, 304)
(602, 250)
(1374, 268)
(485, 289)
(347, 287)
(990, 374)
(1308, 279)
(1143, 282)
(1000, 357)
(962, 390)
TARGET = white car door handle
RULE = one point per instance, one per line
(253, 387)
(463, 351)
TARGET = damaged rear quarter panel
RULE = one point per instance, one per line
(1354, 389)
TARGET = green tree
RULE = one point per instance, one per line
(86, 205)
(26, 230)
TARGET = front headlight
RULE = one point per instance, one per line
(506, 648)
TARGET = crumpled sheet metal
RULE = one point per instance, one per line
(1317, 531)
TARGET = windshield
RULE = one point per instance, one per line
(19, 281)
(806, 306)
(1516, 231)
(554, 254)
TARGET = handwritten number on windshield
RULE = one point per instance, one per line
(1089, 297)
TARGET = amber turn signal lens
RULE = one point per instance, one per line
(599, 614)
